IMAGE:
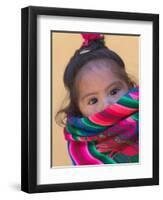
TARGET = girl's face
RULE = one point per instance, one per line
(98, 87)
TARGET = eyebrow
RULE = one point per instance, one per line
(94, 93)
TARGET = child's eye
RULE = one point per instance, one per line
(93, 101)
(114, 91)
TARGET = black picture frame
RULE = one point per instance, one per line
(29, 98)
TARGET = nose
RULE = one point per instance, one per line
(104, 104)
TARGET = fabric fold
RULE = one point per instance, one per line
(107, 137)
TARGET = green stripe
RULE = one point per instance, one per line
(121, 158)
(105, 159)
(73, 131)
(92, 125)
(128, 102)
(135, 116)
(69, 130)
(134, 158)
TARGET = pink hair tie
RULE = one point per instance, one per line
(91, 36)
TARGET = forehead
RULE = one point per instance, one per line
(99, 63)
(98, 67)
(96, 76)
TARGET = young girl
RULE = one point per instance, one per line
(102, 115)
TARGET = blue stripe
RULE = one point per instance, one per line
(73, 162)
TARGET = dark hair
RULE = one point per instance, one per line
(96, 50)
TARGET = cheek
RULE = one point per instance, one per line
(87, 110)
(83, 109)
(122, 93)
(125, 90)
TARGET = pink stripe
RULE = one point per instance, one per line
(71, 150)
(67, 135)
(134, 95)
(114, 110)
(101, 120)
(96, 120)
(122, 109)
(131, 150)
(130, 120)
(81, 155)
(90, 159)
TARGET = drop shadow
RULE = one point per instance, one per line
(15, 186)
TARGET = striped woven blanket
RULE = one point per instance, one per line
(107, 137)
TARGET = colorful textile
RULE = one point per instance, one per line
(107, 137)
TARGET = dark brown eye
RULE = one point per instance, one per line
(114, 91)
(93, 101)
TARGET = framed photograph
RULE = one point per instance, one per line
(89, 99)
